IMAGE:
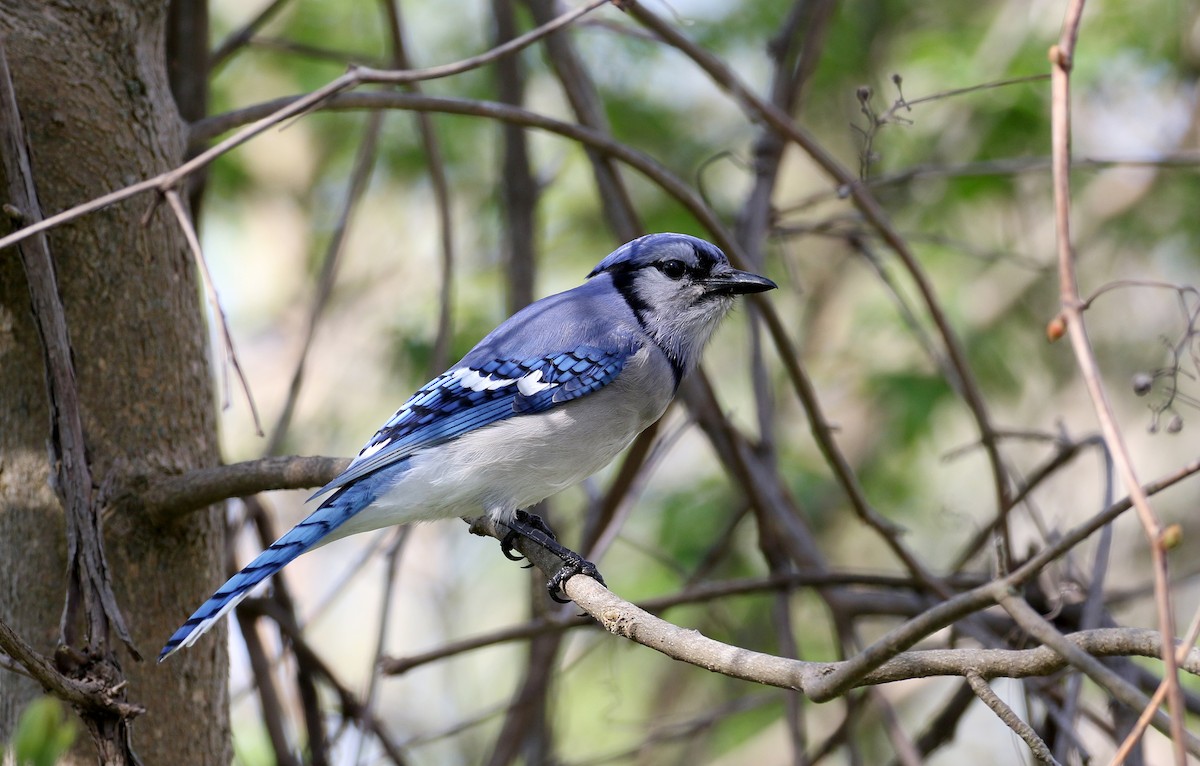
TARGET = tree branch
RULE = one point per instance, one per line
(1006, 714)
(1061, 60)
(165, 498)
(86, 694)
(292, 108)
(871, 210)
(622, 618)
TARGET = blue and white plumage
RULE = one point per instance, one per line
(548, 398)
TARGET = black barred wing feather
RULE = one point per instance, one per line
(471, 396)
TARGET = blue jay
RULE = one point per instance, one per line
(548, 398)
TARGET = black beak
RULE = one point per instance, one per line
(734, 282)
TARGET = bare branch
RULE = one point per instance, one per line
(439, 181)
(214, 300)
(1037, 626)
(90, 693)
(946, 612)
(242, 36)
(1010, 718)
(1061, 59)
(292, 108)
(364, 162)
(586, 103)
(165, 498)
(625, 619)
(351, 706)
(1139, 728)
(694, 594)
(871, 210)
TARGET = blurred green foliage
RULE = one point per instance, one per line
(45, 732)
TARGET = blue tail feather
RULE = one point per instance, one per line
(329, 516)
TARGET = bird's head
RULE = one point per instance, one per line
(679, 288)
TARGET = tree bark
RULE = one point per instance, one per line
(91, 82)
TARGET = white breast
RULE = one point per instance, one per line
(515, 463)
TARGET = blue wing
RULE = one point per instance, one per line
(480, 392)
(472, 395)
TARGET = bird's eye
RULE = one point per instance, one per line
(673, 269)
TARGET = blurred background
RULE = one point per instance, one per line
(327, 243)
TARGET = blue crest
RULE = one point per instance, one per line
(653, 248)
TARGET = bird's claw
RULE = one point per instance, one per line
(534, 529)
(576, 565)
(506, 546)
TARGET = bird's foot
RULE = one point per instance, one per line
(534, 529)
(527, 525)
(573, 565)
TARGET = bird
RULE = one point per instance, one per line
(545, 400)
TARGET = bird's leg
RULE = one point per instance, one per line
(535, 530)
(529, 521)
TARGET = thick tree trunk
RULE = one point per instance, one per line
(91, 80)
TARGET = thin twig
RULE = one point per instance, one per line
(946, 612)
(1006, 714)
(1093, 614)
(902, 745)
(262, 670)
(242, 36)
(214, 300)
(291, 108)
(588, 106)
(1062, 456)
(795, 49)
(308, 699)
(474, 62)
(1007, 166)
(941, 728)
(874, 214)
(1061, 59)
(1120, 689)
(351, 706)
(1139, 728)
(360, 175)
(391, 566)
(436, 163)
